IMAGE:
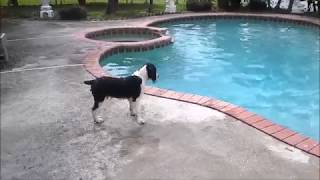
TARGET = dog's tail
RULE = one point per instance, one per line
(89, 82)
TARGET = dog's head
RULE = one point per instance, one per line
(151, 71)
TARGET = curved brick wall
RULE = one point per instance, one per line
(124, 31)
(106, 49)
(282, 19)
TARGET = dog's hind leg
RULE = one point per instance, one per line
(134, 110)
(95, 110)
(132, 105)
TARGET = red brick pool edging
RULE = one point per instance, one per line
(256, 121)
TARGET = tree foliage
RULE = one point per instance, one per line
(14, 3)
(198, 5)
(82, 2)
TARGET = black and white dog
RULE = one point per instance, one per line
(130, 88)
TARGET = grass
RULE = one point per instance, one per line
(66, 2)
(38, 2)
(95, 8)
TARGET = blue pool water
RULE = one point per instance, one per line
(267, 67)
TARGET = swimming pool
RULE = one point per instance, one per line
(269, 68)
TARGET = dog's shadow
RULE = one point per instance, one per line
(121, 129)
(130, 138)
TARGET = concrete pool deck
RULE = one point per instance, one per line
(47, 130)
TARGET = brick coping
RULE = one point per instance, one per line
(106, 49)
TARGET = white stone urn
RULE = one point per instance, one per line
(46, 10)
(170, 6)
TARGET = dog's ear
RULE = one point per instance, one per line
(151, 71)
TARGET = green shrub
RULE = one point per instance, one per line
(198, 5)
(229, 5)
(257, 5)
(73, 13)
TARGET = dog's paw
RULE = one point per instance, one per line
(98, 120)
(141, 122)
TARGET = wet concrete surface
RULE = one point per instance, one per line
(47, 131)
(48, 43)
